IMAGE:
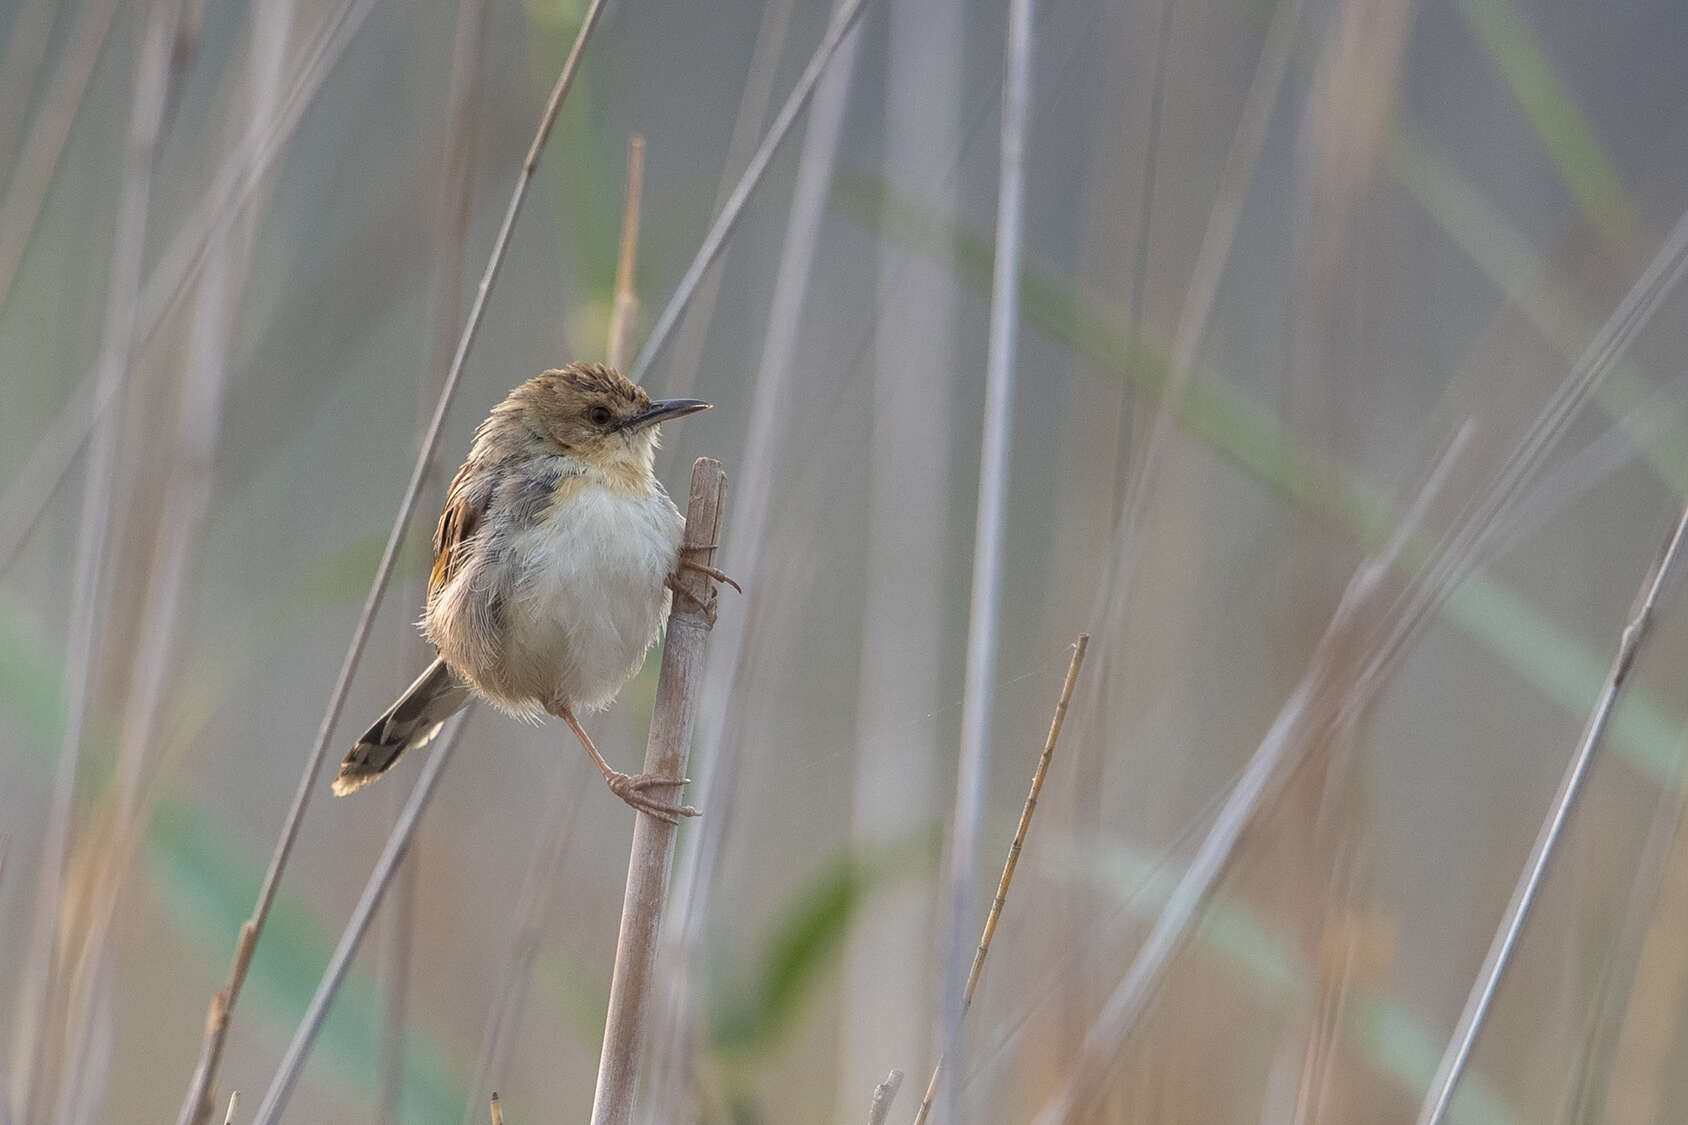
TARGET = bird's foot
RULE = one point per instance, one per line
(704, 568)
(631, 788)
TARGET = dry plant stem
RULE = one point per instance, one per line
(129, 240)
(767, 428)
(843, 20)
(672, 720)
(496, 1111)
(234, 1104)
(231, 189)
(1013, 862)
(398, 843)
(624, 316)
(196, 1108)
(985, 608)
(39, 160)
(1306, 710)
(884, 1095)
(1635, 634)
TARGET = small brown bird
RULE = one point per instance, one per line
(552, 569)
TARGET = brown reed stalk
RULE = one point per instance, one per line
(677, 695)
(496, 1110)
(196, 1108)
(1055, 723)
(624, 316)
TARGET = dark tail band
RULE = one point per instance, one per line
(413, 721)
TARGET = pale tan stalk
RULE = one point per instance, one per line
(666, 751)
(624, 316)
(1013, 862)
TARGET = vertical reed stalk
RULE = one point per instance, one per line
(1013, 862)
(909, 466)
(677, 696)
(624, 316)
(776, 373)
(984, 609)
(1630, 643)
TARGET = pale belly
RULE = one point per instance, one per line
(589, 599)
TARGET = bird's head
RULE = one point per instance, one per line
(597, 415)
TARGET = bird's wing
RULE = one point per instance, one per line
(464, 507)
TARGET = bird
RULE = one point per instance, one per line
(553, 570)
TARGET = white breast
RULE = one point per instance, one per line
(592, 593)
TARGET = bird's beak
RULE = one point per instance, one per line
(664, 409)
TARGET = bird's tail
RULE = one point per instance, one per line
(413, 721)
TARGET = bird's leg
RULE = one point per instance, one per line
(629, 787)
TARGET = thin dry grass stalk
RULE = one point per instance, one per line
(234, 1104)
(984, 609)
(1056, 722)
(196, 1107)
(624, 316)
(776, 374)
(1634, 637)
(884, 1095)
(392, 855)
(496, 1111)
(677, 696)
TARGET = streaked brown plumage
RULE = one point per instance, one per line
(551, 567)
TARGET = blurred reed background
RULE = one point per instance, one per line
(1286, 270)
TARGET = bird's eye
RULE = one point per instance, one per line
(599, 415)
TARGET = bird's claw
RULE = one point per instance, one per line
(713, 572)
(631, 787)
